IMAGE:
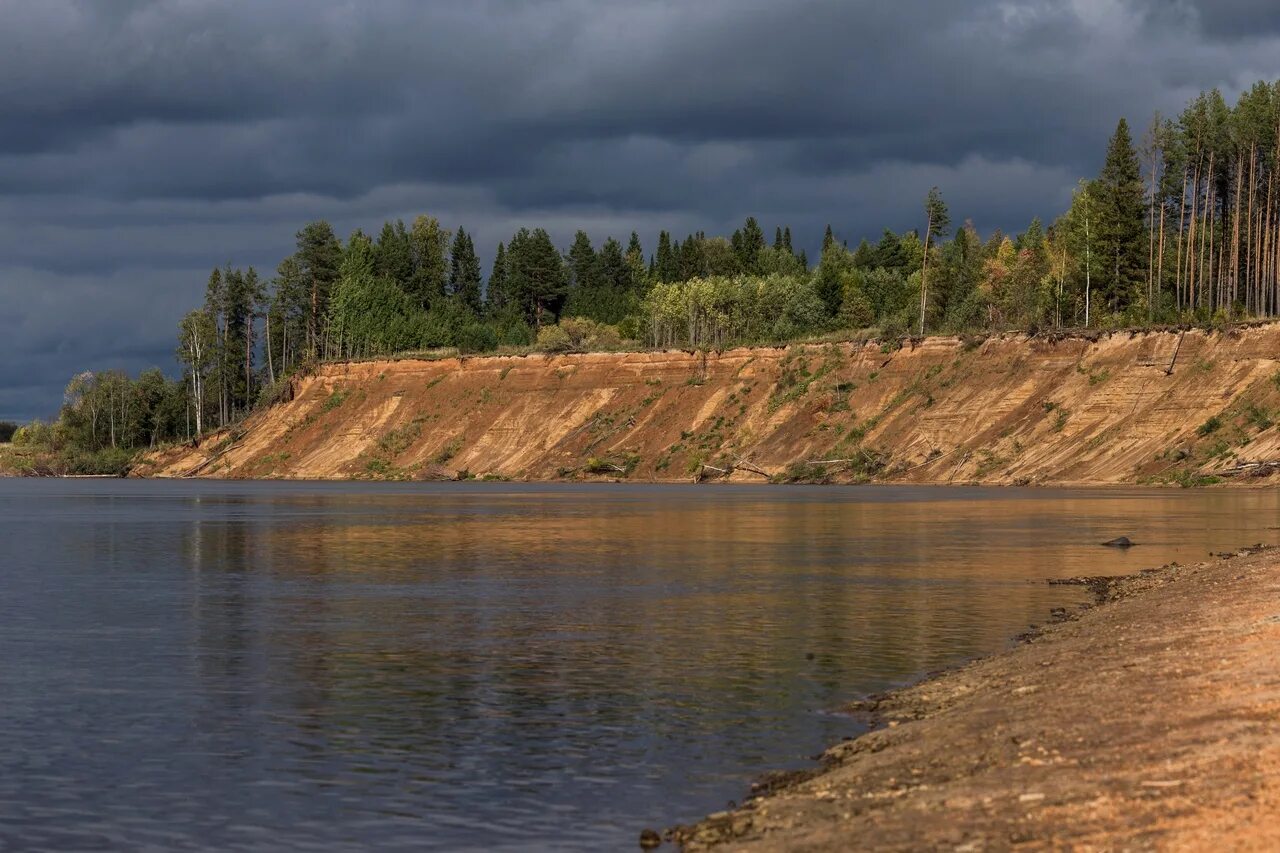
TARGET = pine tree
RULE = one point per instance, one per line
(1119, 196)
(536, 274)
(777, 237)
(828, 238)
(319, 254)
(786, 240)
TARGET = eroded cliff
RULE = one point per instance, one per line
(1165, 406)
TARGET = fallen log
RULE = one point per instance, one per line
(1250, 468)
(752, 467)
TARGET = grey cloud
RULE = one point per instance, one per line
(142, 142)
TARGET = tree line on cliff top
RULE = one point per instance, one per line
(1181, 225)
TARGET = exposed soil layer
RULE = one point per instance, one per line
(1163, 406)
(1149, 722)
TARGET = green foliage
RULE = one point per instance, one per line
(335, 399)
(720, 312)
(578, 334)
(1210, 426)
(1258, 417)
(1122, 248)
(1188, 479)
(399, 440)
(624, 466)
(464, 273)
(7, 429)
(476, 338)
(449, 451)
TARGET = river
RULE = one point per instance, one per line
(190, 665)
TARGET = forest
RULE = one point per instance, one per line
(1181, 225)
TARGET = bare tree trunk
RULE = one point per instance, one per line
(1193, 250)
(924, 268)
(1249, 265)
(1210, 218)
(1264, 233)
(271, 369)
(1160, 257)
(1182, 221)
(1088, 270)
(248, 363)
(1151, 225)
(1235, 232)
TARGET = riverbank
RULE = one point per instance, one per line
(1150, 720)
(1190, 407)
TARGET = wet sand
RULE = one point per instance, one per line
(1149, 721)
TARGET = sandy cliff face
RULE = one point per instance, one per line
(1124, 408)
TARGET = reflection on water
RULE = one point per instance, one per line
(273, 665)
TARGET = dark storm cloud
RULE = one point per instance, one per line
(143, 142)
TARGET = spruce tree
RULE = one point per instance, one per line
(864, 257)
(1119, 196)
(497, 294)
(464, 272)
(692, 262)
(751, 242)
(666, 265)
(582, 263)
(636, 265)
(393, 258)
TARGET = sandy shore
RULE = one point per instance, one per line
(1151, 721)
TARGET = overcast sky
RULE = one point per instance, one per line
(144, 141)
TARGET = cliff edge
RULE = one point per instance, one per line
(1125, 407)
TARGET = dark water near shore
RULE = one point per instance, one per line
(328, 666)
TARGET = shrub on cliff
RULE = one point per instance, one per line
(578, 334)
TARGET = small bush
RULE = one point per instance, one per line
(34, 434)
(1210, 426)
(334, 400)
(449, 451)
(1191, 480)
(1259, 417)
(803, 472)
(7, 429)
(554, 339)
(578, 334)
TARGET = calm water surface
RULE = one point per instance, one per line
(329, 666)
